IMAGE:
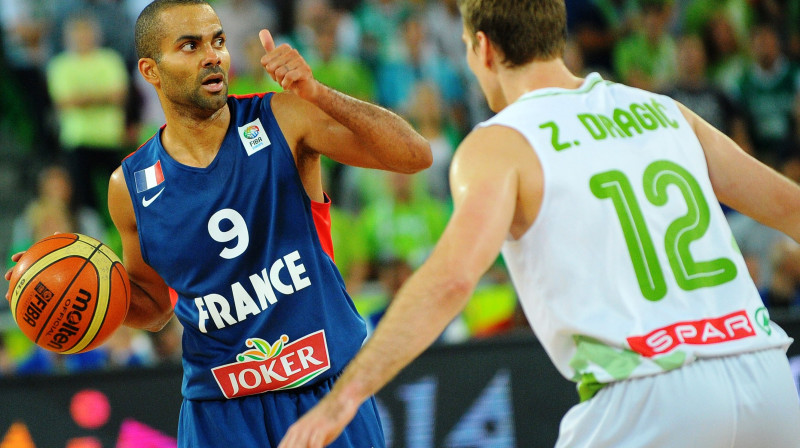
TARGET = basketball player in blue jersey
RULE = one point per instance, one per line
(603, 200)
(224, 224)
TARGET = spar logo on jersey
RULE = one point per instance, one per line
(253, 137)
(731, 327)
(276, 366)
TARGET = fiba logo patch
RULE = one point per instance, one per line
(252, 136)
(251, 132)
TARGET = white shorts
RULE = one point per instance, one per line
(741, 401)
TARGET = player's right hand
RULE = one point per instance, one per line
(15, 258)
(288, 68)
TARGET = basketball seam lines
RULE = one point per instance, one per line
(94, 309)
(44, 325)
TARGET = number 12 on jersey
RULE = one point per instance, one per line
(689, 273)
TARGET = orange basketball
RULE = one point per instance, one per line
(69, 293)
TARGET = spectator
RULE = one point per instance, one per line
(598, 25)
(128, 347)
(349, 249)
(417, 61)
(758, 244)
(26, 27)
(646, 59)
(443, 22)
(88, 85)
(428, 116)
(693, 90)
(112, 18)
(404, 225)
(53, 210)
(379, 22)
(784, 287)
(333, 68)
(6, 362)
(392, 273)
(726, 56)
(241, 20)
(737, 13)
(767, 91)
(252, 77)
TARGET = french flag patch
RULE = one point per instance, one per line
(149, 177)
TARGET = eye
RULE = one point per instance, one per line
(189, 46)
(219, 42)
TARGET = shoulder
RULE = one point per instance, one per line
(288, 105)
(493, 148)
(143, 154)
(296, 117)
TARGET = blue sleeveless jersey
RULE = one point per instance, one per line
(240, 244)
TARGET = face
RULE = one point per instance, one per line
(81, 35)
(55, 185)
(691, 56)
(193, 70)
(766, 47)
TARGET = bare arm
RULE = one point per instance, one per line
(91, 99)
(745, 184)
(348, 130)
(485, 182)
(150, 307)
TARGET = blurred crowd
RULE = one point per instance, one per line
(73, 105)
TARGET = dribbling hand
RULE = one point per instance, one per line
(287, 67)
(15, 258)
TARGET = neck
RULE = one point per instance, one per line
(535, 75)
(194, 140)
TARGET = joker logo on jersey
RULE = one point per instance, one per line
(263, 285)
(267, 367)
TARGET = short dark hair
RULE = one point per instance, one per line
(148, 32)
(523, 30)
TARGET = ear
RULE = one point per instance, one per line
(485, 50)
(149, 70)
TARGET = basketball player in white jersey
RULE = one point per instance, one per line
(604, 202)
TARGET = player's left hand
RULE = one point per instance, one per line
(15, 258)
(288, 68)
(319, 427)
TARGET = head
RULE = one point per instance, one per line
(325, 37)
(183, 54)
(765, 46)
(82, 34)
(509, 34)
(691, 58)
(522, 30)
(655, 18)
(55, 184)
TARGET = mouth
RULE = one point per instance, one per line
(214, 83)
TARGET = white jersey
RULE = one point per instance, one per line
(630, 268)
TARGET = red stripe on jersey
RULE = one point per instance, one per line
(321, 211)
(250, 95)
(145, 142)
(173, 296)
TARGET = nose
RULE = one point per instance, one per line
(212, 56)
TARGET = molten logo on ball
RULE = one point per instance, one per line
(73, 318)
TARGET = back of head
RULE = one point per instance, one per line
(148, 32)
(523, 30)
